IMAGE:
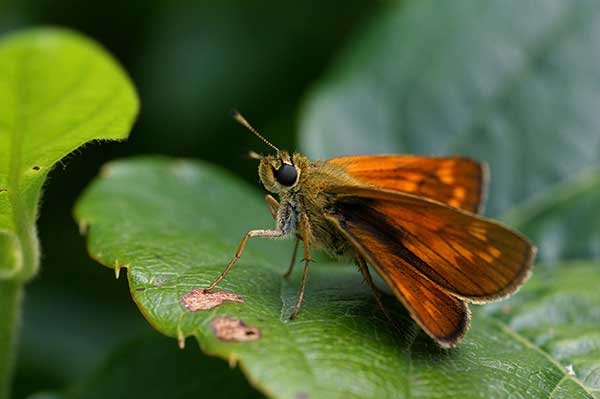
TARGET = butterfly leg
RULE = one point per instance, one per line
(362, 265)
(293, 261)
(238, 254)
(273, 208)
(304, 229)
(273, 205)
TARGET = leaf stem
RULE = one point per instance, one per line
(11, 295)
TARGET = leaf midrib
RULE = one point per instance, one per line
(530, 345)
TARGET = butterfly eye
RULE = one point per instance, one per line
(286, 175)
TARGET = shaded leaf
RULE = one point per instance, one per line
(175, 224)
(564, 222)
(58, 90)
(558, 312)
(56, 348)
(153, 367)
(513, 83)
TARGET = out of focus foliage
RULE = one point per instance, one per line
(191, 62)
(510, 82)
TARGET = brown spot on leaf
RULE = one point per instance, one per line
(36, 168)
(2, 189)
(232, 329)
(200, 299)
(157, 282)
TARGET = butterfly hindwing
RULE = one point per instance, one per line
(467, 256)
(442, 316)
(455, 181)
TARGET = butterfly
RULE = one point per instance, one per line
(414, 219)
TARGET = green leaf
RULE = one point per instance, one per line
(558, 312)
(10, 255)
(58, 90)
(153, 367)
(564, 222)
(514, 84)
(175, 224)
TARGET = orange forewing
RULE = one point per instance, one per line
(455, 181)
(465, 254)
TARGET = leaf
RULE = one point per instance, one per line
(175, 224)
(558, 312)
(153, 367)
(514, 84)
(10, 255)
(564, 222)
(58, 90)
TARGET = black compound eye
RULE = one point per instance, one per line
(286, 175)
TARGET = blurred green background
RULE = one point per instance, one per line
(191, 62)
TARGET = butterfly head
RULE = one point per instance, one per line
(278, 173)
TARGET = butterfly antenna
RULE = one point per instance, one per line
(242, 121)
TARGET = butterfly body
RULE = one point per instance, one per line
(413, 219)
(310, 197)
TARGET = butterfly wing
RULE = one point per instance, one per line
(433, 257)
(442, 316)
(455, 181)
(465, 255)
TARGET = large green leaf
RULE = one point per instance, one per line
(58, 90)
(513, 83)
(564, 222)
(557, 311)
(175, 224)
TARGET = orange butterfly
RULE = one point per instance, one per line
(413, 219)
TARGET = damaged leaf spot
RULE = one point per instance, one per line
(157, 282)
(200, 299)
(2, 189)
(232, 329)
(36, 168)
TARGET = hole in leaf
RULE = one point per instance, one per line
(199, 299)
(232, 329)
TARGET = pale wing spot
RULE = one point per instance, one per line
(486, 257)
(463, 251)
(454, 203)
(478, 232)
(459, 193)
(409, 186)
(496, 253)
(414, 177)
(446, 176)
